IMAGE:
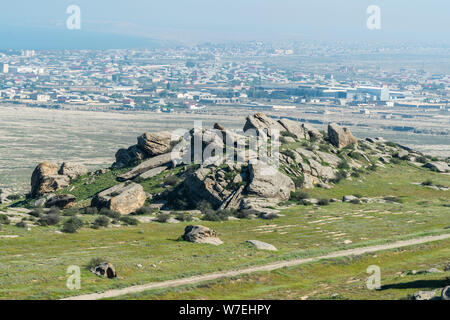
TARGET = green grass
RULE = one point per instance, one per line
(343, 278)
(34, 265)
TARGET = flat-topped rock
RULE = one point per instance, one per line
(124, 198)
(158, 161)
(155, 143)
(262, 245)
(268, 182)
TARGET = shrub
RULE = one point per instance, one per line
(49, 219)
(298, 196)
(53, 210)
(288, 134)
(393, 199)
(89, 210)
(181, 216)
(162, 217)
(427, 182)
(356, 156)
(172, 180)
(323, 202)
(95, 262)
(299, 182)
(395, 161)
(289, 153)
(355, 201)
(143, 210)
(72, 225)
(358, 195)
(269, 216)
(102, 221)
(70, 212)
(422, 159)
(243, 214)
(340, 175)
(373, 167)
(219, 215)
(110, 213)
(129, 221)
(21, 224)
(4, 219)
(14, 197)
(343, 165)
(204, 206)
(37, 212)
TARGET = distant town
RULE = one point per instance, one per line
(253, 74)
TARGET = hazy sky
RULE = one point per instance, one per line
(193, 21)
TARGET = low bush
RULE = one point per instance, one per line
(72, 225)
(4, 219)
(298, 196)
(102, 221)
(89, 210)
(162, 217)
(181, 216)
(130, 221)
(50, 219)
(110, 213)
(143, 210)
(323, 202)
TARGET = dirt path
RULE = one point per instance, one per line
(267, 267)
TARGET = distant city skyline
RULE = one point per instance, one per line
(31, 24)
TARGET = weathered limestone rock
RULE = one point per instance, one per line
(45, 179)
(313, 133)
(349, 198)
(152, 172)
(268, 182)
(424, 295)
(124, 198)
(293, 127)
(201, 234)
(234, 200)
(155, 143)
(61, 201)
(104, 269)
(158, 161)
(262, 245)
(261, 122)
(438, 166)
(72, 170)
(130, 156)
(201, 185)
(340, 137)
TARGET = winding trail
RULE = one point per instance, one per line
(267, 267)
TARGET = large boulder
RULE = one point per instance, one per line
(61, 201)
(124, 198)
(45, 179)
(294, 128)
(340, 137)
(262, 124)
(155, 143)
(445, 294)
(268, 182)
(438, 166)
(130, 156)
(104, 269)
(201, 234)
(72, 170)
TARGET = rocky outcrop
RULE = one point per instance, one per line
(72, 170)
(203, 185)
(130, 156)
(45, 179)
(262, 124)
(155, 143)
(266, 181)
(124, 198)
(340, 137)
(61, 201)
(294, 128)
(313, 133)
(158, 161)
(152, 172)
(262, 245)
(201, 234)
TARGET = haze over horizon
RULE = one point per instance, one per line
(41, 25)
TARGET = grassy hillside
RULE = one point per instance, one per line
(34, 264)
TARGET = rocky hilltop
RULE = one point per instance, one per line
(252, 172)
